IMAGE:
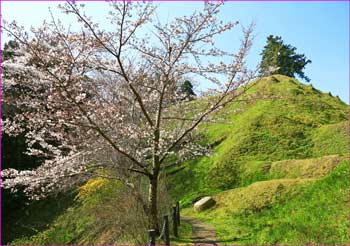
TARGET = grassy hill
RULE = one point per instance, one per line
(294, 121)
(297, 211)
(278, 174)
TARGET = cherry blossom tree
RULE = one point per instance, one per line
(105, 102)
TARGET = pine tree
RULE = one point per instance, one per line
(280, 58)
(187, 89)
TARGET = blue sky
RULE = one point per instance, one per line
(320, 30)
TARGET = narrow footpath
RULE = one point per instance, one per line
(202, 234)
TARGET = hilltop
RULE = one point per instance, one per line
(278, 172)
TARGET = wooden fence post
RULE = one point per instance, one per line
(166, 230)
(151, 237)
(175, 221)
(178, 212)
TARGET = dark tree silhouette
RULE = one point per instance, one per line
(186, 88)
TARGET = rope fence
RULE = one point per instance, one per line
(165, 233)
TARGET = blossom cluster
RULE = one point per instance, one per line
(97, 98)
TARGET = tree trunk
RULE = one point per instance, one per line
(153, 203)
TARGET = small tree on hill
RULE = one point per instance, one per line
(186, 89)
(105, 99)
(279, 58)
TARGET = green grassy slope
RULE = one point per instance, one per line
(279, 173)
(100, 214)
(279, 211)
(294, 121)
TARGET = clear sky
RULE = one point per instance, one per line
(320, 30)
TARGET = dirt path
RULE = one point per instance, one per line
(202, 234)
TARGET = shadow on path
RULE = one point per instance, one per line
(202, 234)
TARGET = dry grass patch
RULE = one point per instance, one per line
(308, 168)
(259, 195)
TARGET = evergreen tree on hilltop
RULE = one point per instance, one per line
(186, 88)
(280, 58)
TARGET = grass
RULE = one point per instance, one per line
(308, 168)
(100, 214)
(274, 160)
(317, 213)
(259, 195)
(184, 234)
(330, 139)
(295, 121)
